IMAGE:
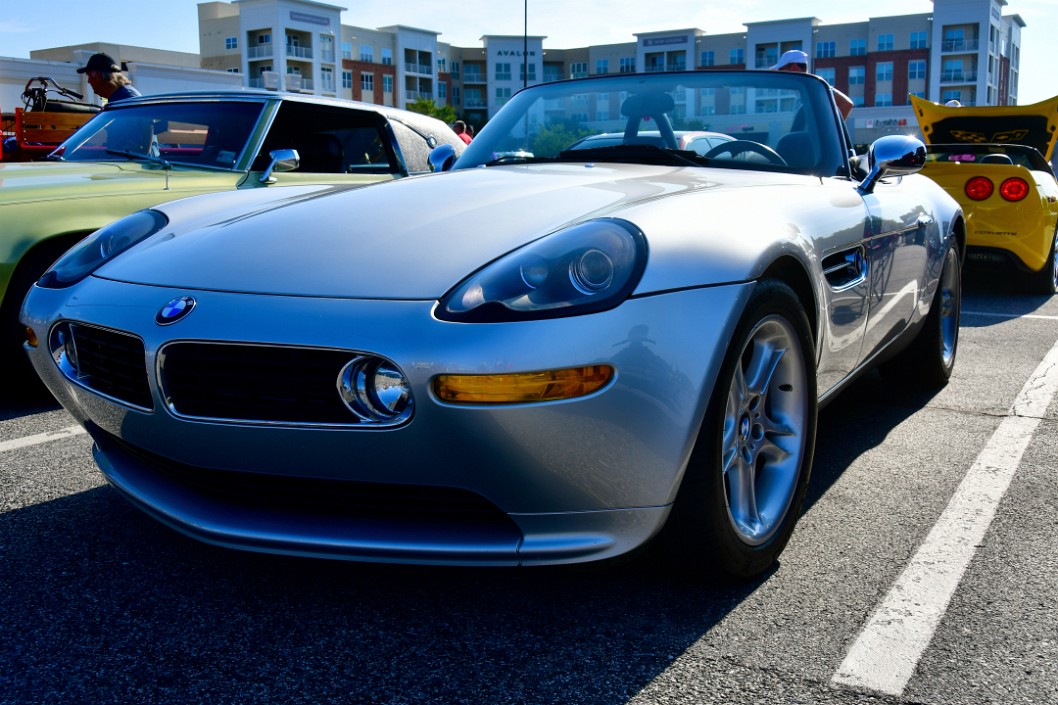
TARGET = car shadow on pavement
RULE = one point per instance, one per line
(859, 419)
(99, 603)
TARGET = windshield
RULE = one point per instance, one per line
(765, 120)
(203, 134)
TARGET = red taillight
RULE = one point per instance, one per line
(979, 188)
(1014, 189)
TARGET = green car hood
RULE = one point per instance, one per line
(22, 182)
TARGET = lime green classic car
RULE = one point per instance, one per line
(993, 161)
(145, 151)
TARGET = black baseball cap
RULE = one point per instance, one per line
(100, 62)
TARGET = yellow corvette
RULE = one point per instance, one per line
(994, 162)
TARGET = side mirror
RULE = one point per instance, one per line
(893, 155)
(282, 160)
(442, 157)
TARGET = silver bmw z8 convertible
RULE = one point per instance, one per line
(551, 353)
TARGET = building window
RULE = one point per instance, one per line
(883, 100)
(502, 96)
(885, 42)
(708, 58)
(503, 72)
(954, 40)
(856, 75)
(857, 47)
(455, 94)
(367, 53)
(602, 66)
(737, 56)
(347, 79)
(347, 50)
(578, 69)
(916, 69)
(442, 65)
(857, 101)
(884, 71)
(602, 115)
(233, 70)
(532, 73)
(442, 91)
(327, 79)
(231, 43)
(827, 74)
(917, 94)
(387, 83)
(952, 70)
(918, 40)
(455, 69)
(367, 82)
(945, 96)
(628, 64)
(387, 56)
(826, 50)
(265, 38)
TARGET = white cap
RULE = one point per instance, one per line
(953, 104)
(794, 56)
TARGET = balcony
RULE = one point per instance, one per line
(949, 77)
(416, 95)
(327, 56)
(424, 69)
(474, 103)
(261, 51)
(959, 45)
(299, 52)
(473, 77)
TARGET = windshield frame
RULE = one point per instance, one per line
(819, 118)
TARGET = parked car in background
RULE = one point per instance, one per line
(547, 355)
(994, 162)
(140, 152)
(697, 141)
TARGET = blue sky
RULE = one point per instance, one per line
(173, 24)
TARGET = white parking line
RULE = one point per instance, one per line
(1010, 316)
(37, 439)
(885, 655)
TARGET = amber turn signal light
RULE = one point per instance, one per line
(522, 387)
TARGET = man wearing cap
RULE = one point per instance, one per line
(106, 79)
(797, 61)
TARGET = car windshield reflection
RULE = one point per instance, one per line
(200, 134)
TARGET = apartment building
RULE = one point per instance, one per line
(965, 50)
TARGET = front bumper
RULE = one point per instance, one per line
(553, 482)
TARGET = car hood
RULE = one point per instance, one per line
(411, 239)
(1033, 125)
(22, 182)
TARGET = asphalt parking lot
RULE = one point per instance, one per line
(924, 570)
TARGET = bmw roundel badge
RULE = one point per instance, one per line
(175, 310)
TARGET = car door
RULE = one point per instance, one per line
(896, 249)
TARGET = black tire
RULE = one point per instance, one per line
(24, 382)
(929, 360)
(742, 492)
(1045, 281)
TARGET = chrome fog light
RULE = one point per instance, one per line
(375, 390)
(64, 350)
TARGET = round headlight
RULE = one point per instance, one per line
(101, 246)
(588, 267)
